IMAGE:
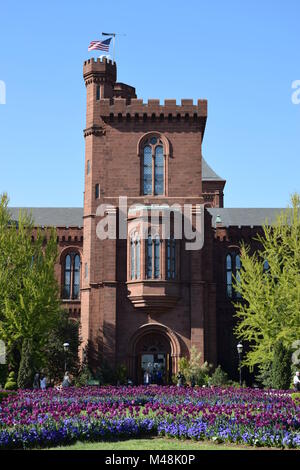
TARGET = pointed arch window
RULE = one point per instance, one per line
(229, 275)
(157, 258)
(149, 257)
(171, 258)
(153, 167)
(147, 170)
(135, 257)
(159, 170)
(233, 270)
(71, 276)
(67, 278)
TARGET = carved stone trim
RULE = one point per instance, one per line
(94, 130)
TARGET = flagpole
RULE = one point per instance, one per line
(114, 39)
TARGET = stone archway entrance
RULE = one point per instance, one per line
(154, 350)
(153, 354)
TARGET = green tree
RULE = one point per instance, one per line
(269, 313)
(219, 377)
(54, 356)
(26, 369)
(193, 369)
(281, 367)
(29, 293)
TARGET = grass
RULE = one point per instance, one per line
(156, 443)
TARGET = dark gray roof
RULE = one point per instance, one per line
(244, 216)
(208, 173)
(52, 216)
(72, 216)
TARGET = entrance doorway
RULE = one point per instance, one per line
(154, 359)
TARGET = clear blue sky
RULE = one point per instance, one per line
(240, 55)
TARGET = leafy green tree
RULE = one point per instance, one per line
(26, 369)
(269, 313)
(219, 377)
(193, 369)
(54, 356)
(281, 367)
(29, 293)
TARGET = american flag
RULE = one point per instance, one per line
(100, 45)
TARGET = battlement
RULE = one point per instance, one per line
(99, 70)
(137, 108)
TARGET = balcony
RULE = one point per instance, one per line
(153, 293)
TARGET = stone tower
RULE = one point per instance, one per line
(129, 308)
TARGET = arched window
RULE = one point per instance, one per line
(132, 258)
(76, 277)
(233, 270)
(71, 288)
(147, 170)
(157, 258)
(171, 258)
(67, 278)
(138, 258)
(159, 171)
(135, 257)
(153, 167)
(149, 257)
(229, 275)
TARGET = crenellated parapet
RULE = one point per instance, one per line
(135, 108)
(99, 71)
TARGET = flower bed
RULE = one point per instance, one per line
(245, 416)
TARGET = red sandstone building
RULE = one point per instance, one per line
(146, 301)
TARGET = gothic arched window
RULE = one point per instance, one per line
(71, 276)
(67, 278)
(149, 257)
(147, 170)
(171, 258)
(157, 258)
(229, 275)
(153, 167)
(135, 257)
(233, 270)
(159, 170)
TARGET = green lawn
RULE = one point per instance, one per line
(155, 443)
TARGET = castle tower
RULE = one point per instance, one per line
(141, 295)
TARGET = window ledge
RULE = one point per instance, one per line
(153, 293)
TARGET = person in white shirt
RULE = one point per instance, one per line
(296, 381)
